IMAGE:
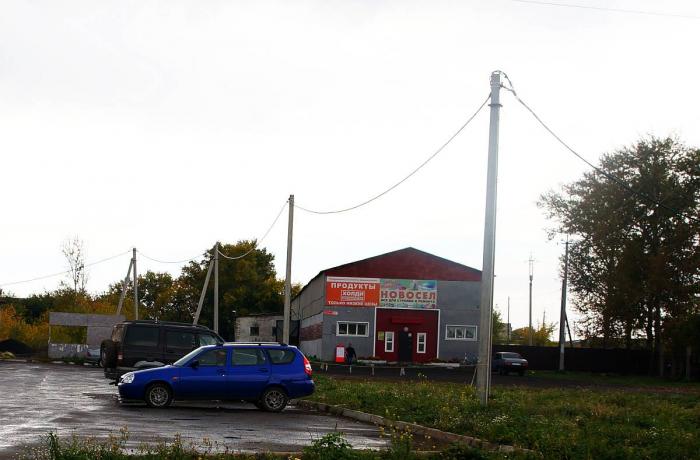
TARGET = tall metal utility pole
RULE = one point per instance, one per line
(288, 275)
(483, 374)
(136, 286)
(531, 271)
(562, 316)
(508, 324)
(216, 287)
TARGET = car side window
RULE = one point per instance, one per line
(177, 339)
(215, 357)
(281, 356)
(247, 357)
(207, 339)
(142, 336)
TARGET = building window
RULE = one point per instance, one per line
(420, 342)
(254, 331)
(460, 332)
(346, 328)
(389, 342)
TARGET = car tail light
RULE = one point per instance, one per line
(119, 357)
(307, 366)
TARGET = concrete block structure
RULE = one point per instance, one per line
(402, 306)
(257, 328)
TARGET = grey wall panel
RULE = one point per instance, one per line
(363, 345)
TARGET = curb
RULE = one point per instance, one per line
(412, 427)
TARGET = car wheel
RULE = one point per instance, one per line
(274, 399)
(159, 395)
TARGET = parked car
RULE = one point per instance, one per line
(93, 356)
(505, 361)
(267, 375)
(147, 344)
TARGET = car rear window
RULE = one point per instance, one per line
(247, 357)
(281, 356)
(117, 333)
(142, 336)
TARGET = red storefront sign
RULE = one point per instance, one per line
(352, 292)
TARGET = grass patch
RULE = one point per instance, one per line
(332, 446)
(560, 423)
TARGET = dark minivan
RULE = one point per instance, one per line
(146, 344)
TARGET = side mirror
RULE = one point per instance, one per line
(194, 364)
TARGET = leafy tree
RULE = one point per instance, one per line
(635, 260)
(541, 336)
(498, 328)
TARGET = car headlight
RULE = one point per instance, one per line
(128, 377)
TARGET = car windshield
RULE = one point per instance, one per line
(510, 356)
(182, 361)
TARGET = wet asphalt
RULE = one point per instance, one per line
(36, 399)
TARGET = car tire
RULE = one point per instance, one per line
(274, 399)
(158, 395)
(108, 354)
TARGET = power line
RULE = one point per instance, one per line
(614, 10)
(39, 278)
(258, 241)
(408, 176)
(608, 175)
(170, 261)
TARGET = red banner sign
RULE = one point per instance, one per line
(352, 292)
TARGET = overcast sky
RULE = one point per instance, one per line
(169, 125)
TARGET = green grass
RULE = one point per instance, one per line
(559, 423)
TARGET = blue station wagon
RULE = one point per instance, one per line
(267, 375)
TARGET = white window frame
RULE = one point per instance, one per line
(388, 341)
(419, 342)
(337, 329)
(465, 326)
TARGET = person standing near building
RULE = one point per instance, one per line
(350, 354)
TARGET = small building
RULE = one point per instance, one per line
(260, 327)
(402, 306)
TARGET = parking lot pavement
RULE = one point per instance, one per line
(38, 398)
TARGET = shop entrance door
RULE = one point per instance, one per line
(405, 347)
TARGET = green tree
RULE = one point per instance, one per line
(498, 328)
(634, 262)
(541, 336)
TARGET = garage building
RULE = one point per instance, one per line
(402, 306)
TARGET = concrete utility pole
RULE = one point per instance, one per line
(204, 292)
(124, 286)
(136, 286)
(531, 272)
(216, 287)
(288, 275)
(562, 316)
(508, 324)
(483, 374)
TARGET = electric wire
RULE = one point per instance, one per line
(170, 261)
(614, 10)
(442, 147)
(258, 241)
(91, 264)
(608, 175)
